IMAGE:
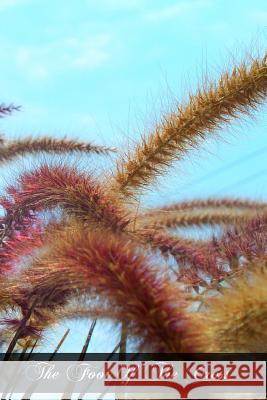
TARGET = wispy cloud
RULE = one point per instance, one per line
(5, 4)
(259, 16)
(177, 9)
(115, 4)
(40, 62)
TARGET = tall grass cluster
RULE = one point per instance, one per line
(93, 252)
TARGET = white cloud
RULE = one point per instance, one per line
(88, 53)
(175, 10)
(258, 16)
(39, 62)
(4, 4)
(115, 4)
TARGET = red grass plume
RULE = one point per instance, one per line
(114, 269)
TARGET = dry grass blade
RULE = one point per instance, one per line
(32, 349)
(123, 341)
(114, 351)
(59, 344)
(82, 356)
(87, 341)
(18, 332)
(235, 93)
(23, 352)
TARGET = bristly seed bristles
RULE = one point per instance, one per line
(12, 149)
(116, 270)
(237, 320)
(78, 194)
(75, 244)
(236, 93)
(183, 219)
(210, 203)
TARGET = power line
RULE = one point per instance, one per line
(243, 181)
(226, 167)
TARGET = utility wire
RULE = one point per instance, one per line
(243, 181)
(226, 167)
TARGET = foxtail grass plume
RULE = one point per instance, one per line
(236, 321)
(13, 149)
(114, 269)
(235, 93)
(76, 244)
(178, 219)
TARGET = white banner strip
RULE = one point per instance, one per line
(141, 379)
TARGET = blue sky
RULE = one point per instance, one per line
(105, 71)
